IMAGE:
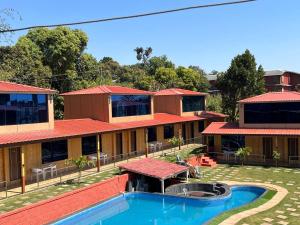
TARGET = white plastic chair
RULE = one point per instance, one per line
(37, 172)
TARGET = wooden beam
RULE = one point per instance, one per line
(23, 170)
(98, 152)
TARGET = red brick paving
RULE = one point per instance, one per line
(52, 209)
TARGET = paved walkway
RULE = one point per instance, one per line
(277, 198)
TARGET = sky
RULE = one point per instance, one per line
(208, 37)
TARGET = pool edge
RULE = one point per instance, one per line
(275, 200)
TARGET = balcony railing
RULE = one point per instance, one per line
(69, 174)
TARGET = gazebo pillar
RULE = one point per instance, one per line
(162, 186)
(187, 176)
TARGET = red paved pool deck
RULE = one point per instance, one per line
(52, 209)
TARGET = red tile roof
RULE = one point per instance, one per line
(178, 91)
(154, 168)
(287, 96)
(80, 127)
(106, 89)
(9, 87)
(225, 128)
(62, 129)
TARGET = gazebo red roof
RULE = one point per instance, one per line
(154, 168)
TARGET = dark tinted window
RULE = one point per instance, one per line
(192, 103)
(232, 142)
(152, 134)
(23, 109)
(288, 112)
(130, 105)
(201, 125)
(54, 151)
(168, 131)
(89, 145)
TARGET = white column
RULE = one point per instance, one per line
(187, 176)
(163, 186)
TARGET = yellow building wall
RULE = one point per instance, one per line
(140, 139)
(108, 144)
(217, 141)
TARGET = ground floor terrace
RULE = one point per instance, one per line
(37, 156)
(286, 212)
(224, 139)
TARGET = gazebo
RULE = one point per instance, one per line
(155, 168)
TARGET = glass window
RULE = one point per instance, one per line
(201, 126)
(54, 151)
(152, 134)
(89, 145)
(23, 109)
(232, 142)
(130, 105)
(288, 112)
(168, 131)
(192, 103)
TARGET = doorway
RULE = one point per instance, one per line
(184, 132)
(15, 163)
(119, 145)
(268, 147)
(192, 132)
(293, 148)
(133, 141)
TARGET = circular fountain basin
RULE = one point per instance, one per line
(199, 190)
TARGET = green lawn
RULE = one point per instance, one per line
(45, 193)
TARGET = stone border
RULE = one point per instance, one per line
(277, 198)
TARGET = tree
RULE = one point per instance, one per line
(61, 48)
(143, 54)
(157, 62)
(242, 153)
(80, 164)
(276, 157)
(166, 77)
(192, 79)
(241, 80)
(214, 103)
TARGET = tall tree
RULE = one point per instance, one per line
(143, 54)
(166, 77)
(241, 80)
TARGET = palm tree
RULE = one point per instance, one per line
(243, 152)
(80, 163)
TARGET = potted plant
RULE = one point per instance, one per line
(243, 152)
(80, 163)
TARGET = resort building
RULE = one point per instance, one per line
(282, 80)
(267, 123)
(107, 121)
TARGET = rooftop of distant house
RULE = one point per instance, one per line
(278, 72)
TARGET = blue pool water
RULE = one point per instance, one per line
(156, 209)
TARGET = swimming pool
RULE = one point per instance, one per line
(156, 209)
